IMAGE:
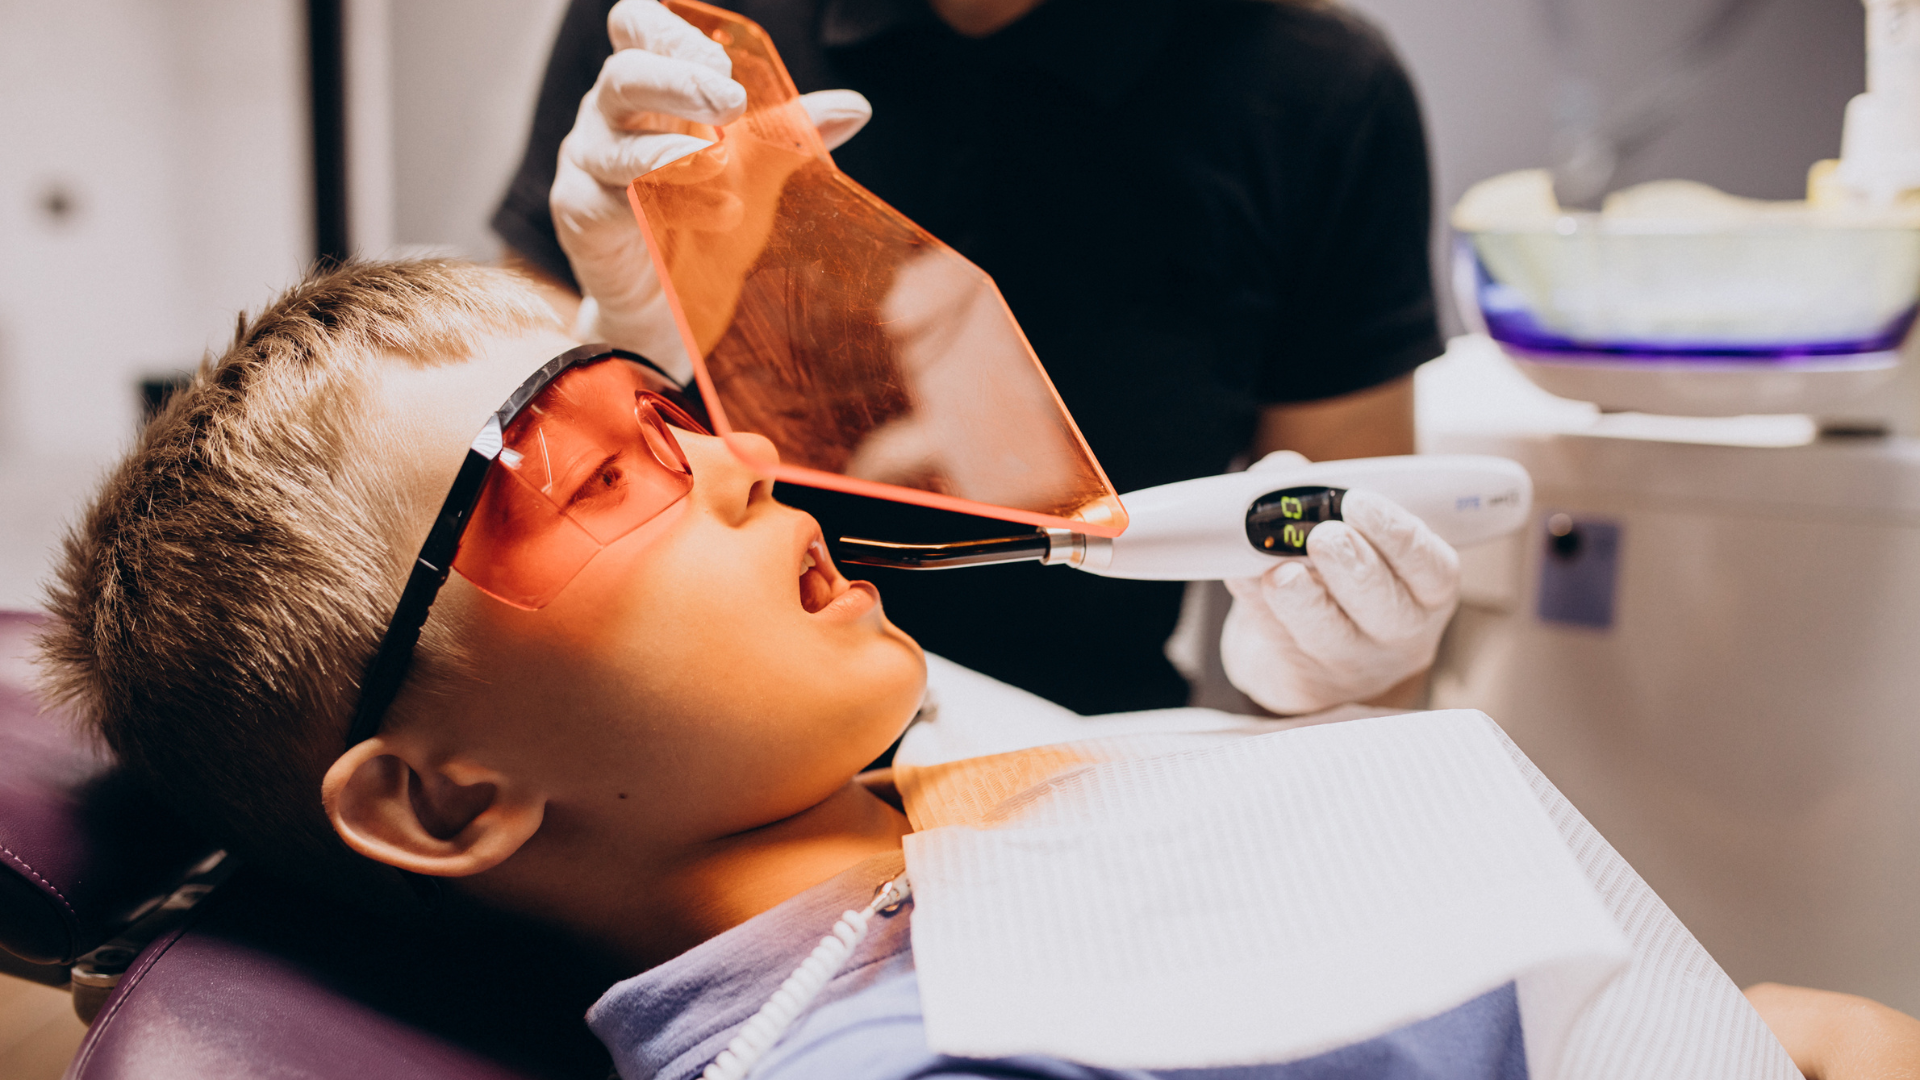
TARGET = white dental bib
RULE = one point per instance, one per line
(1188, 888)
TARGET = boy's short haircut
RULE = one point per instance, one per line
(214, 610)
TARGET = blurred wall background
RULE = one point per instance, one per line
(461, 77)
(1741, 94)
(152, 179)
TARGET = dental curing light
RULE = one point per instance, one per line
(1239, 524)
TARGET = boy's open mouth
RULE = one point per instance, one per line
(820, 581)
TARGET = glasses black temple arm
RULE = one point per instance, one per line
(391, 661)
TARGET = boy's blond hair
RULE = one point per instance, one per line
(214, 610)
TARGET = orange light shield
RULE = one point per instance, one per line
(877, 360)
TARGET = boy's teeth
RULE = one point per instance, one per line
(810, 564)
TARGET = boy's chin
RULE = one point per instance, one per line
(895, 634)
(910, 690)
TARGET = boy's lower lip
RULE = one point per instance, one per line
(859, 599)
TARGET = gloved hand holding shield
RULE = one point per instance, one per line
(660, 96)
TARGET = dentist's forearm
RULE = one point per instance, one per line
(1375, 422)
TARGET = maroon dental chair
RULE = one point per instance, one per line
(189, 969)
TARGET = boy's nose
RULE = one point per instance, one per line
(723, 480)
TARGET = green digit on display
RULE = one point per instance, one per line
(1291, 507)
(1294, 536)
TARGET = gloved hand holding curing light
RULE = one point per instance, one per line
(1363, 612)
(663, 78)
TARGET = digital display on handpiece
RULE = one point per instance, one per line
(1279, 521)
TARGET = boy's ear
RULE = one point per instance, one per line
(395, 803)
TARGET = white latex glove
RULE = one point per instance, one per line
(1364, 610)
(660, 65)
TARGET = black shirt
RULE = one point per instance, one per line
(1194, 207)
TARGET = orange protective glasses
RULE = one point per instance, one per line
(589, 460)
(581, 455)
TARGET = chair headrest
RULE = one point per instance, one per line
(80, 843)
(272, 979)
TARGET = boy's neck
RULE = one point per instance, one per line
(725, 882)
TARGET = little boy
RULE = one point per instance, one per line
(635, 714)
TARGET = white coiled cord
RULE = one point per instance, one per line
(797, 993)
